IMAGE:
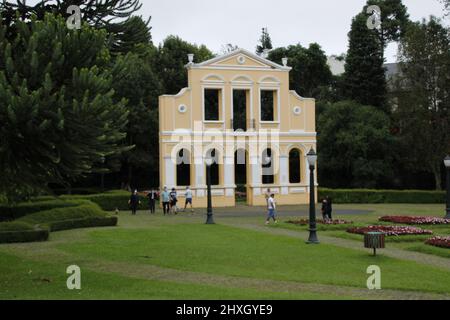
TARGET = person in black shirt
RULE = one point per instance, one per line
(152, 196)
(134, 202)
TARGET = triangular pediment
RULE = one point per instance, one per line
(240, 59)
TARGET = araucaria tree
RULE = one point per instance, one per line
(59, 119)
(265, 43)
(423, 112)
(364, 78)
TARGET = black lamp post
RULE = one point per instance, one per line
(312, 159)
(209, 213)
(447, 168)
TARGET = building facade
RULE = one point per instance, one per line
(239, 112)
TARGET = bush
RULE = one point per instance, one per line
(36, 226)
(9, 213)
(382, 196)
(62, 214)
(111, 200)
(390, 230)
(12, 232)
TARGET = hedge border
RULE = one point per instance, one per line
(37, 235)
(382, 196)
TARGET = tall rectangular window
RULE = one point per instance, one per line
(268, 105)
(240, 98)
(212, 104)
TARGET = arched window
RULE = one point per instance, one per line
(183, 168)
(267, 167)
(294, 166)
(215, 177)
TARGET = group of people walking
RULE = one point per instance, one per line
(168, 199)
(169, 202)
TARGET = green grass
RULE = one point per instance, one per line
(125, 262)
(24, 279)
(230, 251)
(426, 248)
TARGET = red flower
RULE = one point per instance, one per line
(390, 230)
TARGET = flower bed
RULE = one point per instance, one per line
(415, 220)
(304, 222)
(443, 242)
(390, 230)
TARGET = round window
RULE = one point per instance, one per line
(297, 110)
(182, 108)
(241, 59)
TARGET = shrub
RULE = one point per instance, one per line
(415, 220)
(443, 242)
(390, 230)
(382, 196)
(111, 200)
(12, 232)
(9, 213)
(62, 214)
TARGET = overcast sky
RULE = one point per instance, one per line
(215, 23)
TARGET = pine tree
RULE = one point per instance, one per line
(59, 119)
(394, 20)
(265, 42)
(364, 78)
(115, 16)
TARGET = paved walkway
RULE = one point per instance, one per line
(283, 211)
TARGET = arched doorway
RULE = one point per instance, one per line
(240, 174)
(295, 172)
(183, 168)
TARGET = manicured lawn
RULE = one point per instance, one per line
(179, 257)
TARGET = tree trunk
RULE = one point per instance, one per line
(437, 178)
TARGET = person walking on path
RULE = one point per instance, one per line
(267, 195)
(271, 207)
(173, 201)
(329, 209)
(134, 202)
(165, 197)
(152, 196)
(188, 196)
(324, 210)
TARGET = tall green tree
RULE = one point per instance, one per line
(394, 20)
(113, 15)
(355, 146)
(364, 78)
(310, 70)
(423, 112)
(265, 42)
(136, 81)
(171, 60)
(57, 109)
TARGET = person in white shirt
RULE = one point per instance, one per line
(188, 196)
(271, 207)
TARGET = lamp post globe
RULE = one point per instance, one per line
(447, 169)
(209, 212)
(312, 159)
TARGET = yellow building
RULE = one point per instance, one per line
(238, 110)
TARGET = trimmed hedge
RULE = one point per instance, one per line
(112, 200)
(24, 236)
(36, 226)
(382, 196)
(9, 213)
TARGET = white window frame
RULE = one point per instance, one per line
(218, 87)
(278, 104)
